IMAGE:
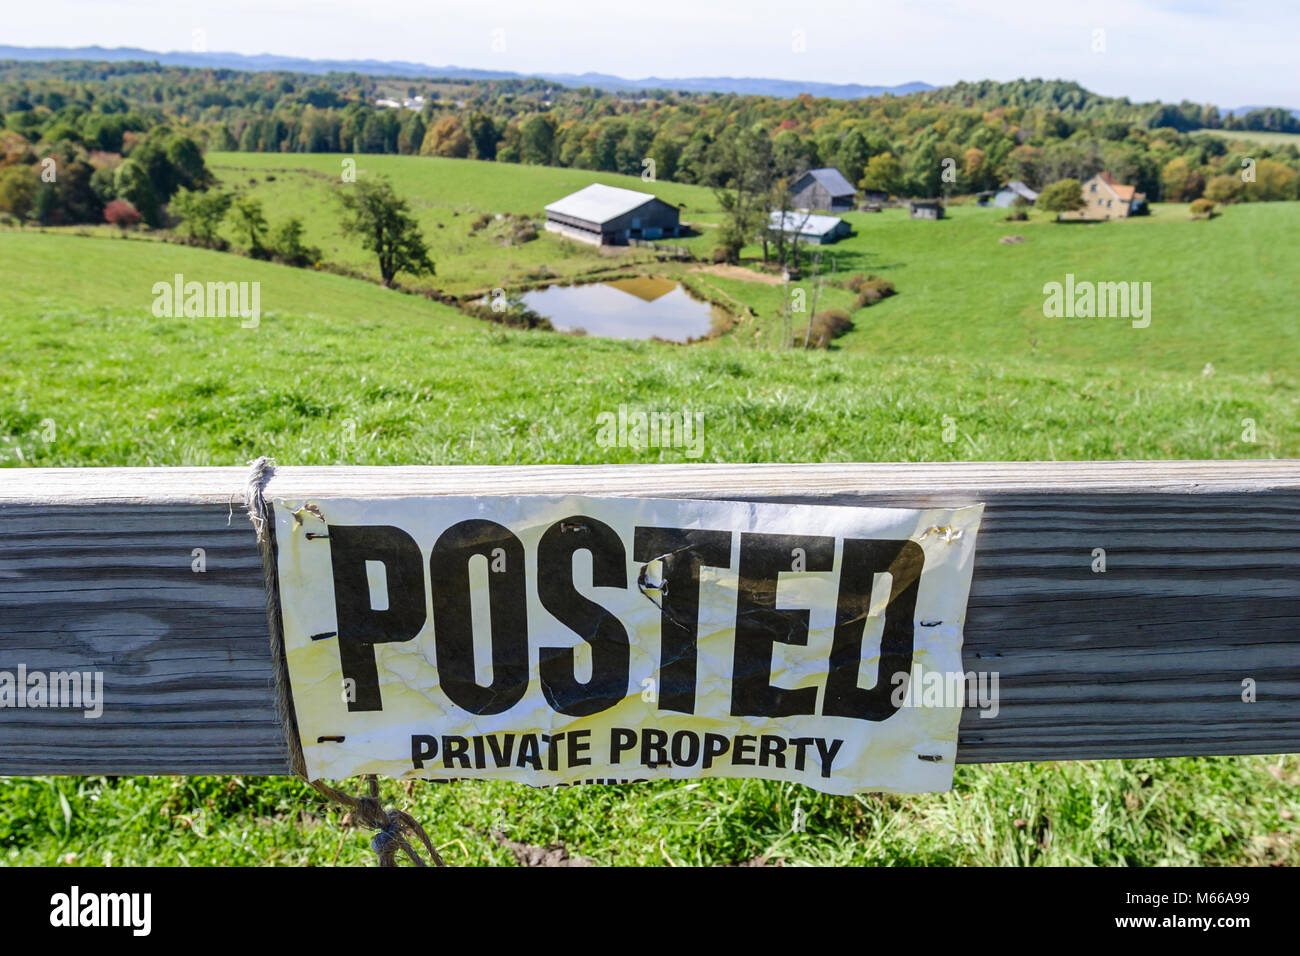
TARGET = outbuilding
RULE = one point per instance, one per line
(925, 209)
(825, 189)
(607, 215)
(809, 227)
(1008, 194)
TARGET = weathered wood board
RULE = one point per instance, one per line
(1201, 592)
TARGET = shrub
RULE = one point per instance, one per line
(287, 245)
(1202, 208)
(521, 233)
(826, 325)
(202, 213)
(122, 214)
(1223, 188)
(504, 229)
(515, 315)
(870, 289)
(1017, 215)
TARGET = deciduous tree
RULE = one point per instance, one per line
(1065, 195)
(380, 219)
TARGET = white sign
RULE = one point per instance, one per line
(557, 640)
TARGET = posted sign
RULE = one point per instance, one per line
(555, 640)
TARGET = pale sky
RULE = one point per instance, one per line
(1227, 52)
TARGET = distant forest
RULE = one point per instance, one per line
(136, 131)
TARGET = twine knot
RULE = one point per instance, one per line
(392, 825)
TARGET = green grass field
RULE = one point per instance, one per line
(1256, 136)
(1222, 291)
(418, 382)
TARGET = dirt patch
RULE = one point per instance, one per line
(526, 854)
(739, 272)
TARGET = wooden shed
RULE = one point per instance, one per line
(823, 189)
(925, 209)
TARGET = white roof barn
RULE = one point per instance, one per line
(603, 215)
(599, 203)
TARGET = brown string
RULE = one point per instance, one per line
(392, 824)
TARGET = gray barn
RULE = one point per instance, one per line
(823, 189)
(606, 215)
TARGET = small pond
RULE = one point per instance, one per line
(639, 308)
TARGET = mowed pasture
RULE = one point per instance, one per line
(1263, 137)
(1223, 292)
(341, 370)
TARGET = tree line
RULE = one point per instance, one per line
(136, 132)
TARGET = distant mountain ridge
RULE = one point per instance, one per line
(754, 86)
(267, 61)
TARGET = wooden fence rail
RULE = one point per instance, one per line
(1201, 593)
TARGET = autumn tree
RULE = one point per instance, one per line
(1180, 182)
(446, 137)
(1273, 181)
(1223, 188)
(18, 186)
(122, 214)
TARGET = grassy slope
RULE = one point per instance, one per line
(423, 384)
(446, 195)
(963, 294)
